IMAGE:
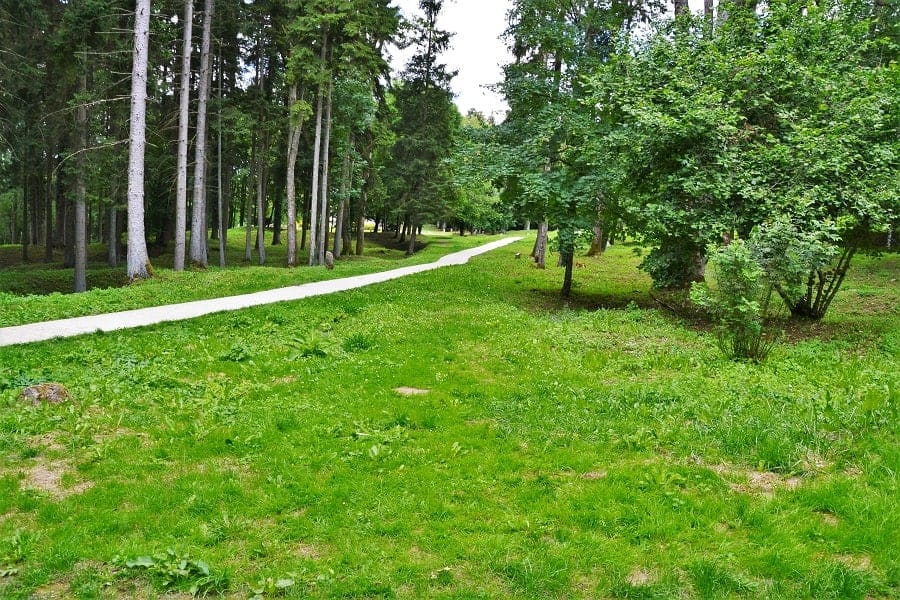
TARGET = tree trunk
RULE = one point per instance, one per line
(291, 183)
(199, 254)
(48, 206)
(112, 241)
(345, 191)
(567, 257)
(183, 118)
(323, 231)
(317, 155)
(276, 213)
(361, 222)
(411, 249)
(25, 199)
(220, 200)
(80, 283)
(598, 242)
(540, 245)
(304, 224)
(681, 6)
(138, 259)
(262, 180)
(248, 205)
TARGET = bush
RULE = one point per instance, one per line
(740, 302)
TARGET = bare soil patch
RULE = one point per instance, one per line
(48, 477)
(640, 576)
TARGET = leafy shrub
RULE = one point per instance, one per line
(314, 344)
(357, 342)
(799, 262)
(177, 571)
(238, 352)
(740, 302)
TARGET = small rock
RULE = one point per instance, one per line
(51, 393)
(410, 391)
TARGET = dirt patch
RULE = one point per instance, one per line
(815, 462)
(47, 477)
(286, 379)
(858, 562)
(829, 519)
(58, 590)
(46, 441)
(594, 475)
(489, 423)
(760, 483)
(410, 391)
(640, 576)
(50, 393)
(304, 550)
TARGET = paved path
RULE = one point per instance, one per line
(36, 332)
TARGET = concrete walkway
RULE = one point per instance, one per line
(36, 332)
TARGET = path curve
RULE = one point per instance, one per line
(37, 332)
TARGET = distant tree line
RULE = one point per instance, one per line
(265, 115)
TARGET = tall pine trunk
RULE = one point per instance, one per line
(138, 259)
(262, 179)
(290, 178)
(317, 155)
(323, 230)
(220, 200)
(183, 118)
(199, 255)
(80, 283)
(112, 241)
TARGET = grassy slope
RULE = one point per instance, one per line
(560, 452)
(34, 292)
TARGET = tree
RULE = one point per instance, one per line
(555, 45)
(781, 114)
(183, 124)
(199, 255)
(138, 259)
(427, 123)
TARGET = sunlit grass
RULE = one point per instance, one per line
(591, 448)
(37, 292)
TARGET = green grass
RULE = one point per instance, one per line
(596, 448)
(35, 291)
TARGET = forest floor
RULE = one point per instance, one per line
(460, 433)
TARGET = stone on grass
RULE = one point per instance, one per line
(410, 391)
(50, 393)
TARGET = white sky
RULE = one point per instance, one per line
(476, 50)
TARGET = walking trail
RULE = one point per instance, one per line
(36, 332)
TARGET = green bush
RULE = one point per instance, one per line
(739, 302)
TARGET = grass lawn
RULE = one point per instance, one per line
(461, 433)
(36, 291)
